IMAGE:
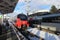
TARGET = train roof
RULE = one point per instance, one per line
(21, 15)
(44, 16)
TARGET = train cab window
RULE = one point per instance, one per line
(22, 17)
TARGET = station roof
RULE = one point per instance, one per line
(7, 6)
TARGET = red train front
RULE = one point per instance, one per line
(21, 21)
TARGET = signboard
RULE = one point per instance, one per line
(1, 19)
(0, 16)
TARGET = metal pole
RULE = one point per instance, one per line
(28, 6)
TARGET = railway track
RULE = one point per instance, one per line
(24, 34)
(18, 34)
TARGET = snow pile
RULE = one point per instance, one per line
(42, 34)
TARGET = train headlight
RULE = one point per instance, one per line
(19, 27)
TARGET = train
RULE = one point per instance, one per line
(48, 21)
(21, 22)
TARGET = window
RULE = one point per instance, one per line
(12, 0)
(10, 6)
(51, 19)
(6, 3)
(22, 17)
(1, 6)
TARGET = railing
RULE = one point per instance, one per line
(7, 33)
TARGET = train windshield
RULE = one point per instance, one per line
(22, 17)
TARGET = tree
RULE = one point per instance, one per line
(53, 9)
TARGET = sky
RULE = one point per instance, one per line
(34, 5)
(21, 6)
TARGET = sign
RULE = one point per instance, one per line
(1, 16)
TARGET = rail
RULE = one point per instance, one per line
(18, 34)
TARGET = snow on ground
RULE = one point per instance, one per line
(42, 34)
(33, 38)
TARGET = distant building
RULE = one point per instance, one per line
(7, 6)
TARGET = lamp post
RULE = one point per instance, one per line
(28, 6)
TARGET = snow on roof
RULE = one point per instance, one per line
(43, 34)
(42, 11)
(39, 11)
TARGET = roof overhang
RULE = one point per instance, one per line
(7, 6)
